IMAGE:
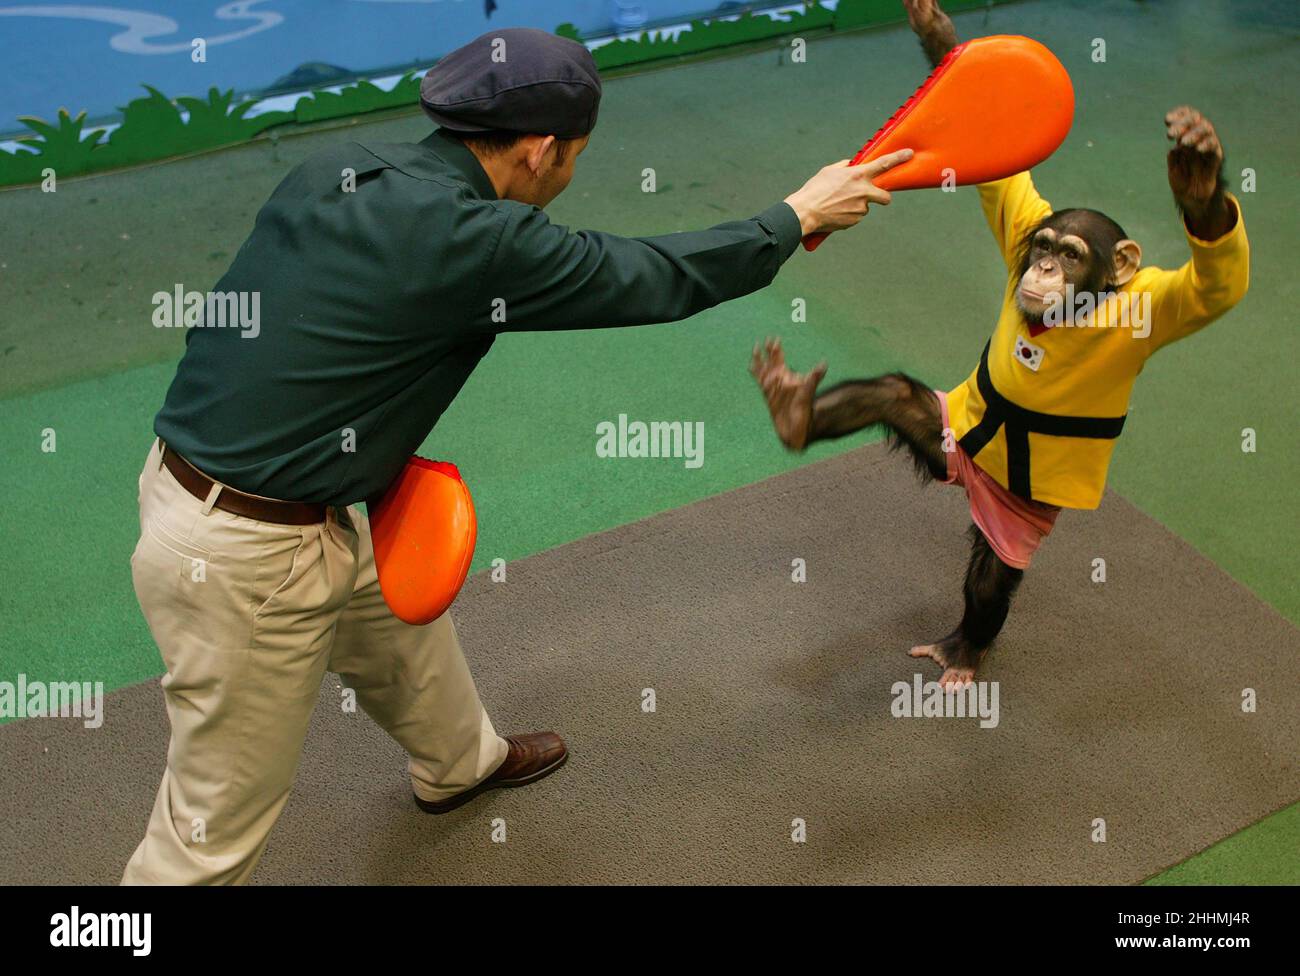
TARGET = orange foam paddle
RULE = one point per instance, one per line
(995, 106)
(423, 530)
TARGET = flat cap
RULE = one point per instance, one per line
(518, 79)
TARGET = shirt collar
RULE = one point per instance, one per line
(456, 154)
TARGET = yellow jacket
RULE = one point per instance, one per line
(1062, 418)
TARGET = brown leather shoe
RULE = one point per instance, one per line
(532, 756)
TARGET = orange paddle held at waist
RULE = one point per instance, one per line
(423, 530)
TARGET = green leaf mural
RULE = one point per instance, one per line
(354, 99)
(60, 147)
(154, 128)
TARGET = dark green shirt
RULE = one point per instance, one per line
(377, 304)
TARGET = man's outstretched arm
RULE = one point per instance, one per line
(541, 276)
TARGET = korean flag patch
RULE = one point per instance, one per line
(1028, 354)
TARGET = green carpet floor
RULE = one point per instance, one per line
(915, 287)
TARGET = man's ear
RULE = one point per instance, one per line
(537, 154)
(1127, 258)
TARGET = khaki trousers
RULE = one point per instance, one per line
(249, 616)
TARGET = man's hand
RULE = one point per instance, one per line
(933, 27)
(839, 195)
(1194, 165)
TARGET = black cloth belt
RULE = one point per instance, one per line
(1020, 423)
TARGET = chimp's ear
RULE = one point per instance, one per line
(1127, 258)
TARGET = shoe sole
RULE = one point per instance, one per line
(460, 799)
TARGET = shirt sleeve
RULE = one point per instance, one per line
(1012, 207)
(1211, 282)
(541, 276)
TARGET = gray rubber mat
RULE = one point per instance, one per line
(1118, 701)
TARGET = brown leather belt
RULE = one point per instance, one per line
(199, 484)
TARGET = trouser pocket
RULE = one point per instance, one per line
(191, 558)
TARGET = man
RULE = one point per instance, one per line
(384, 271)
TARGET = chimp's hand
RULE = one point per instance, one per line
(1195, 165)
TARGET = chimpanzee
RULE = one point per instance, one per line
(1032, 429)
